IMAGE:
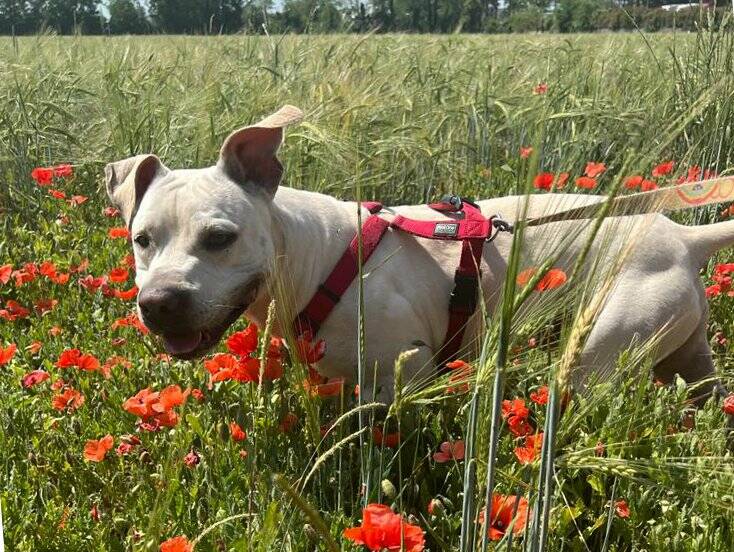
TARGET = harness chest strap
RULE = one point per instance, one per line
(472, 229)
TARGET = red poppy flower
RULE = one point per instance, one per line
(47, 269)
(127, 444)
(118, 275)
(141, 404)
(61, 278)
(92, 284)
(543, 181)
(119, 232)
(63, 171)
(221, 366)
(540, 88)
(594, 169)
(461, 372)
(599, 449)
(113, 362)
(501, 516)
(243, 343)
(248, 370)
(34, 347)
(5, 272)
(514, 407)
(449, 450)
(177, 544)
(586, 182)
(389, 440)
(55, 331)
(127, 295)
(43, 175)
(529, 452)
(309, 352)
(663, 168)
(648, 185)
(23, 276)
(13, 311)
(540, 396)
(728, 406)
(96, 450)
(525, 276)
(526, 152)
(131, 320)
(191, 460)
(330, 388)
(69, 399)
(622, 509)
(110, 212)
(519, 427)
(88, 363)
(77, 200)
(236, 432)
(554, 278)
(68, 358)
(7, 353)
(382, 529)
(561, 180)
(633, 182)
(42, 306)
(169, 398)
(288, 422)
(58, 194)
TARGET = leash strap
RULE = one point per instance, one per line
(671, 198)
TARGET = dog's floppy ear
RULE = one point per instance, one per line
(128, 180)
(248, 155)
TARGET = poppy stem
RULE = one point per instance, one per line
(466, 540)
(610, 516)
(316, 520)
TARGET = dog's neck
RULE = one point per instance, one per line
(310, 232)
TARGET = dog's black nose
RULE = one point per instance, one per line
(163, 307)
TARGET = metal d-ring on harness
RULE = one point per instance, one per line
(464, 223)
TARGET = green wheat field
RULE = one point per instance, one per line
(402, 119)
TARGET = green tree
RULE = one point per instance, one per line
(127, 17)
(15, 17)
(197, 16)
(320, 16)
(66, 16)
(255, 15)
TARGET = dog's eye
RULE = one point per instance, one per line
(219, 239)
(142, 240)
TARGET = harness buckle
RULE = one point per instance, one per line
(463, 297)
(500, 225)
(453, 200)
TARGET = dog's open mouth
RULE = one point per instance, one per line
(190, 345)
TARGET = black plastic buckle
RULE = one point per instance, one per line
(464, 295)
(454, 201)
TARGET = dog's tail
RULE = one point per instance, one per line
(707, 239)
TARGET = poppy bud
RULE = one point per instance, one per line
(310, 533)
(435, 507)
(388, 489)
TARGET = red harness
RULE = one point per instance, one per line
(467, 224)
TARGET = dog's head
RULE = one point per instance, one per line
(202, 237)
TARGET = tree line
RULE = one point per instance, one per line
(324, 16)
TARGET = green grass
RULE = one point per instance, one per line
(405, 118)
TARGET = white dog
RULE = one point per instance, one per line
(206, 241)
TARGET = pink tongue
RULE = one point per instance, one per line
(181, 344)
